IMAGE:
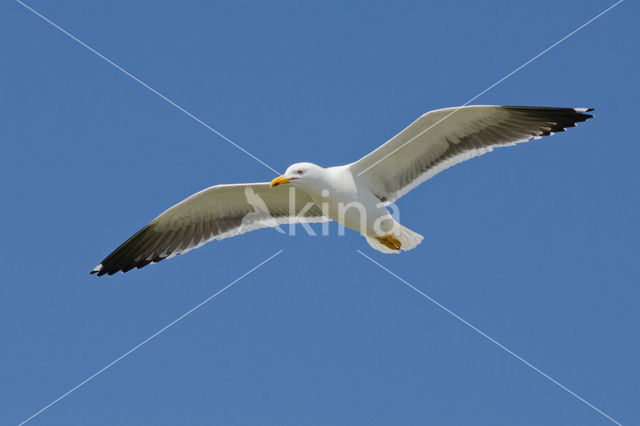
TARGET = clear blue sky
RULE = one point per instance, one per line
(536, 245)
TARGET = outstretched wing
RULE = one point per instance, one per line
(445, 137)
(215, 213)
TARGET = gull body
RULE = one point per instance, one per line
(355, 195)
(340, 195)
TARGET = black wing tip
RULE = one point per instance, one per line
(128, 255)
(582, 112)
(125, 269)
(563, 118)
(546, 109)
(99, 271)
(121, 259)
(114, 269)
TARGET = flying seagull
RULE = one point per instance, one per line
(355, 194)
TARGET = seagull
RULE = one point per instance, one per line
(356, 195)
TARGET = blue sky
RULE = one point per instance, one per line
(536, 245)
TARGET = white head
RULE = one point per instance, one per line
(304, 175)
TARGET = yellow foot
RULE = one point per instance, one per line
(390, 241)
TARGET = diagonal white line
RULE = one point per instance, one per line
(136, 347)
(496, 83)
(492, 340)
(128, 74)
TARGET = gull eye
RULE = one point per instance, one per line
(300, 171)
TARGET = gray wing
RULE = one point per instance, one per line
(215, 213)
(445, 137)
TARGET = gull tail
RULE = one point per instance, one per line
(401, 239)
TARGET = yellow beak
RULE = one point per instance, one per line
(279, 180)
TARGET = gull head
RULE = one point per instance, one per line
(304, 175)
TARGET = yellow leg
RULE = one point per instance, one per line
(390, 241)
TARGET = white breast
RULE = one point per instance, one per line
(347, 201)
